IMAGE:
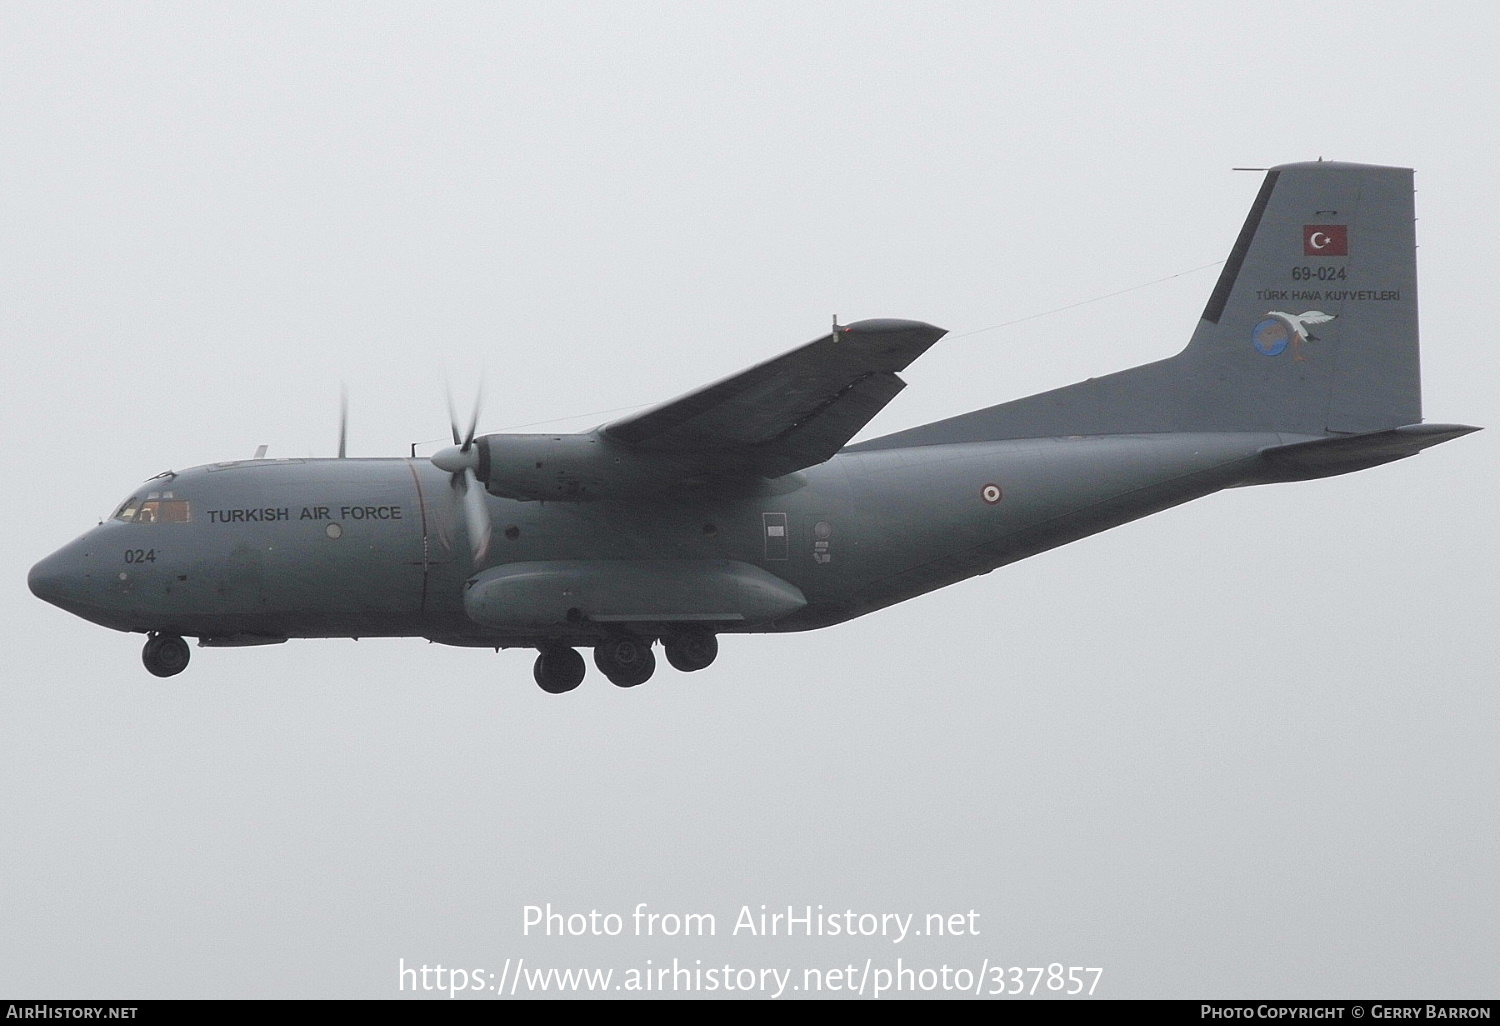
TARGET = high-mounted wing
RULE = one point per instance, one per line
(793, 411)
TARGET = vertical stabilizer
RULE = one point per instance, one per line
(1311, 329)
(1312, 326)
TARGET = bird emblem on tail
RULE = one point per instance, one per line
(1279, 329)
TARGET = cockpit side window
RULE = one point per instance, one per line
(156, 508)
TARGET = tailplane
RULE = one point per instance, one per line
(1311, 330)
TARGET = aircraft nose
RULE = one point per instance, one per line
(47, 579)
(60, 578)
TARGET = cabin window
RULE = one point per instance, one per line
(164, 511)
(156, 508)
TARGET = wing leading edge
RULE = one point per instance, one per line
(793, 411)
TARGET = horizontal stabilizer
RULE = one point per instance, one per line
(1325, 457)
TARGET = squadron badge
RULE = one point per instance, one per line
(1278, 330)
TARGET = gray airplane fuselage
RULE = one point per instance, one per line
(375, 547)
(741, 506)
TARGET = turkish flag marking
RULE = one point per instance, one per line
(1325, 240)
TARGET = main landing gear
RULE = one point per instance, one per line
(626, 659)
(691, 650)
(558, 669)
(166, 655)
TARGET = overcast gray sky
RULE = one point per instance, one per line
(1248, 747)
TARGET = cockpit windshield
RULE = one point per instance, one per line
(162, 507)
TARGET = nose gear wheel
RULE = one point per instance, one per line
(165, 655)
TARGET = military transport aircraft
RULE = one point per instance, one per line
(740, 507)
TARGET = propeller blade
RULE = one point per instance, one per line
(343, 421)
(476, 514)
(474, 418)
(459, 462)
(466, 439)
(452, 413)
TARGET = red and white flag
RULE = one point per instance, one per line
(1325, 240)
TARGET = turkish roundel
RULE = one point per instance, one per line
(1325, 240)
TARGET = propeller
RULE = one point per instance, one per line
(460, 460)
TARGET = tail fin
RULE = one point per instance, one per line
(1311, 329)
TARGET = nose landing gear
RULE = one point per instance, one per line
(165, 655)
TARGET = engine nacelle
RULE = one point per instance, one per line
(572, 468)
